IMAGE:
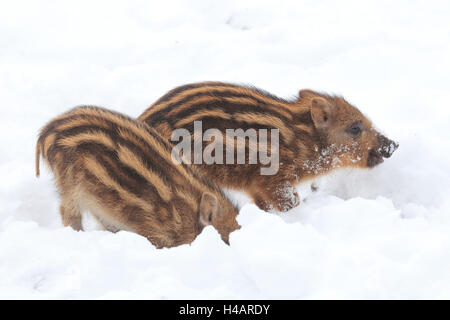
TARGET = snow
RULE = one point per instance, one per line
(366, 234)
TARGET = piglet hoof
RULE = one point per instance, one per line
(287, 203)
(264, 205)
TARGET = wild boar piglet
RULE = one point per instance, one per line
(316, 133)
(121, 171)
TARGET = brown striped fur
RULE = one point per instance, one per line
(121, 171)
(314, 135)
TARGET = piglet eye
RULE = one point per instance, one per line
(354, 129)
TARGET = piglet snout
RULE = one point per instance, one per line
(386, 146)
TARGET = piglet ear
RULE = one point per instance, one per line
(305, 93)
(208, 209)
(322, 113)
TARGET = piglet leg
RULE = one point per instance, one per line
(282, 197)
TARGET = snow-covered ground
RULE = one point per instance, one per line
(383, 233)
